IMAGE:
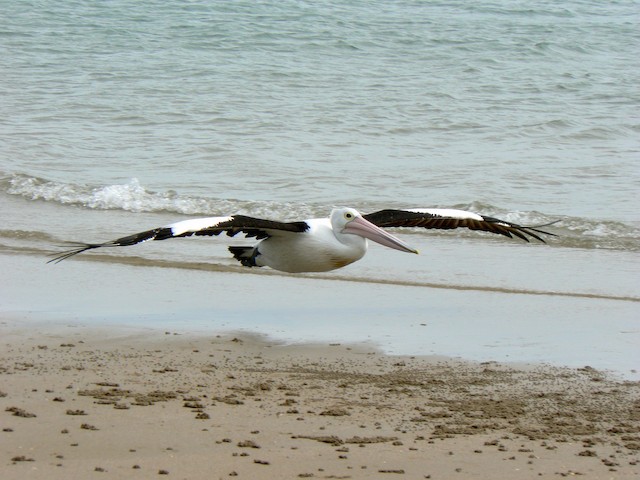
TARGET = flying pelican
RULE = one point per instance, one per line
(318, 244)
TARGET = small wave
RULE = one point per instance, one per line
(133, 197)
(130, 196)
(611, 235)
(571, 232)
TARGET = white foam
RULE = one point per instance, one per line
(134, 197)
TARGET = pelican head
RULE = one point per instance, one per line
(348, 220)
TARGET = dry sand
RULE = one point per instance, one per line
(82, 403)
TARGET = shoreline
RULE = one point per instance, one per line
(141, 403)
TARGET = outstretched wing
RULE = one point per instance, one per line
(448, 219)
(232, 225)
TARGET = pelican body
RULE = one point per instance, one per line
(326, 244)
(318, 244)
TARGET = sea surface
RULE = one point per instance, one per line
(121, 116)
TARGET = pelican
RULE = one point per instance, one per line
(317, 244)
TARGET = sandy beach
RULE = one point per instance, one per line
(483, 357)
(80, 402)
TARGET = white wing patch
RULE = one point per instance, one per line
(448, 212)
(196, 224)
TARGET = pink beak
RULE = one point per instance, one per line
(366, 229)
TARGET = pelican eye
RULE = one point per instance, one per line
(349, 216)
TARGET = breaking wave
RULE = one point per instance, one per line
(133, 197)
(574, 232)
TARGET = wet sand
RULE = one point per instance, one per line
(81, 402)
(472, 324)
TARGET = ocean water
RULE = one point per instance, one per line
(121, 116)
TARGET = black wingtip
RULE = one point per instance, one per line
(537, 229)
(79, 248)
